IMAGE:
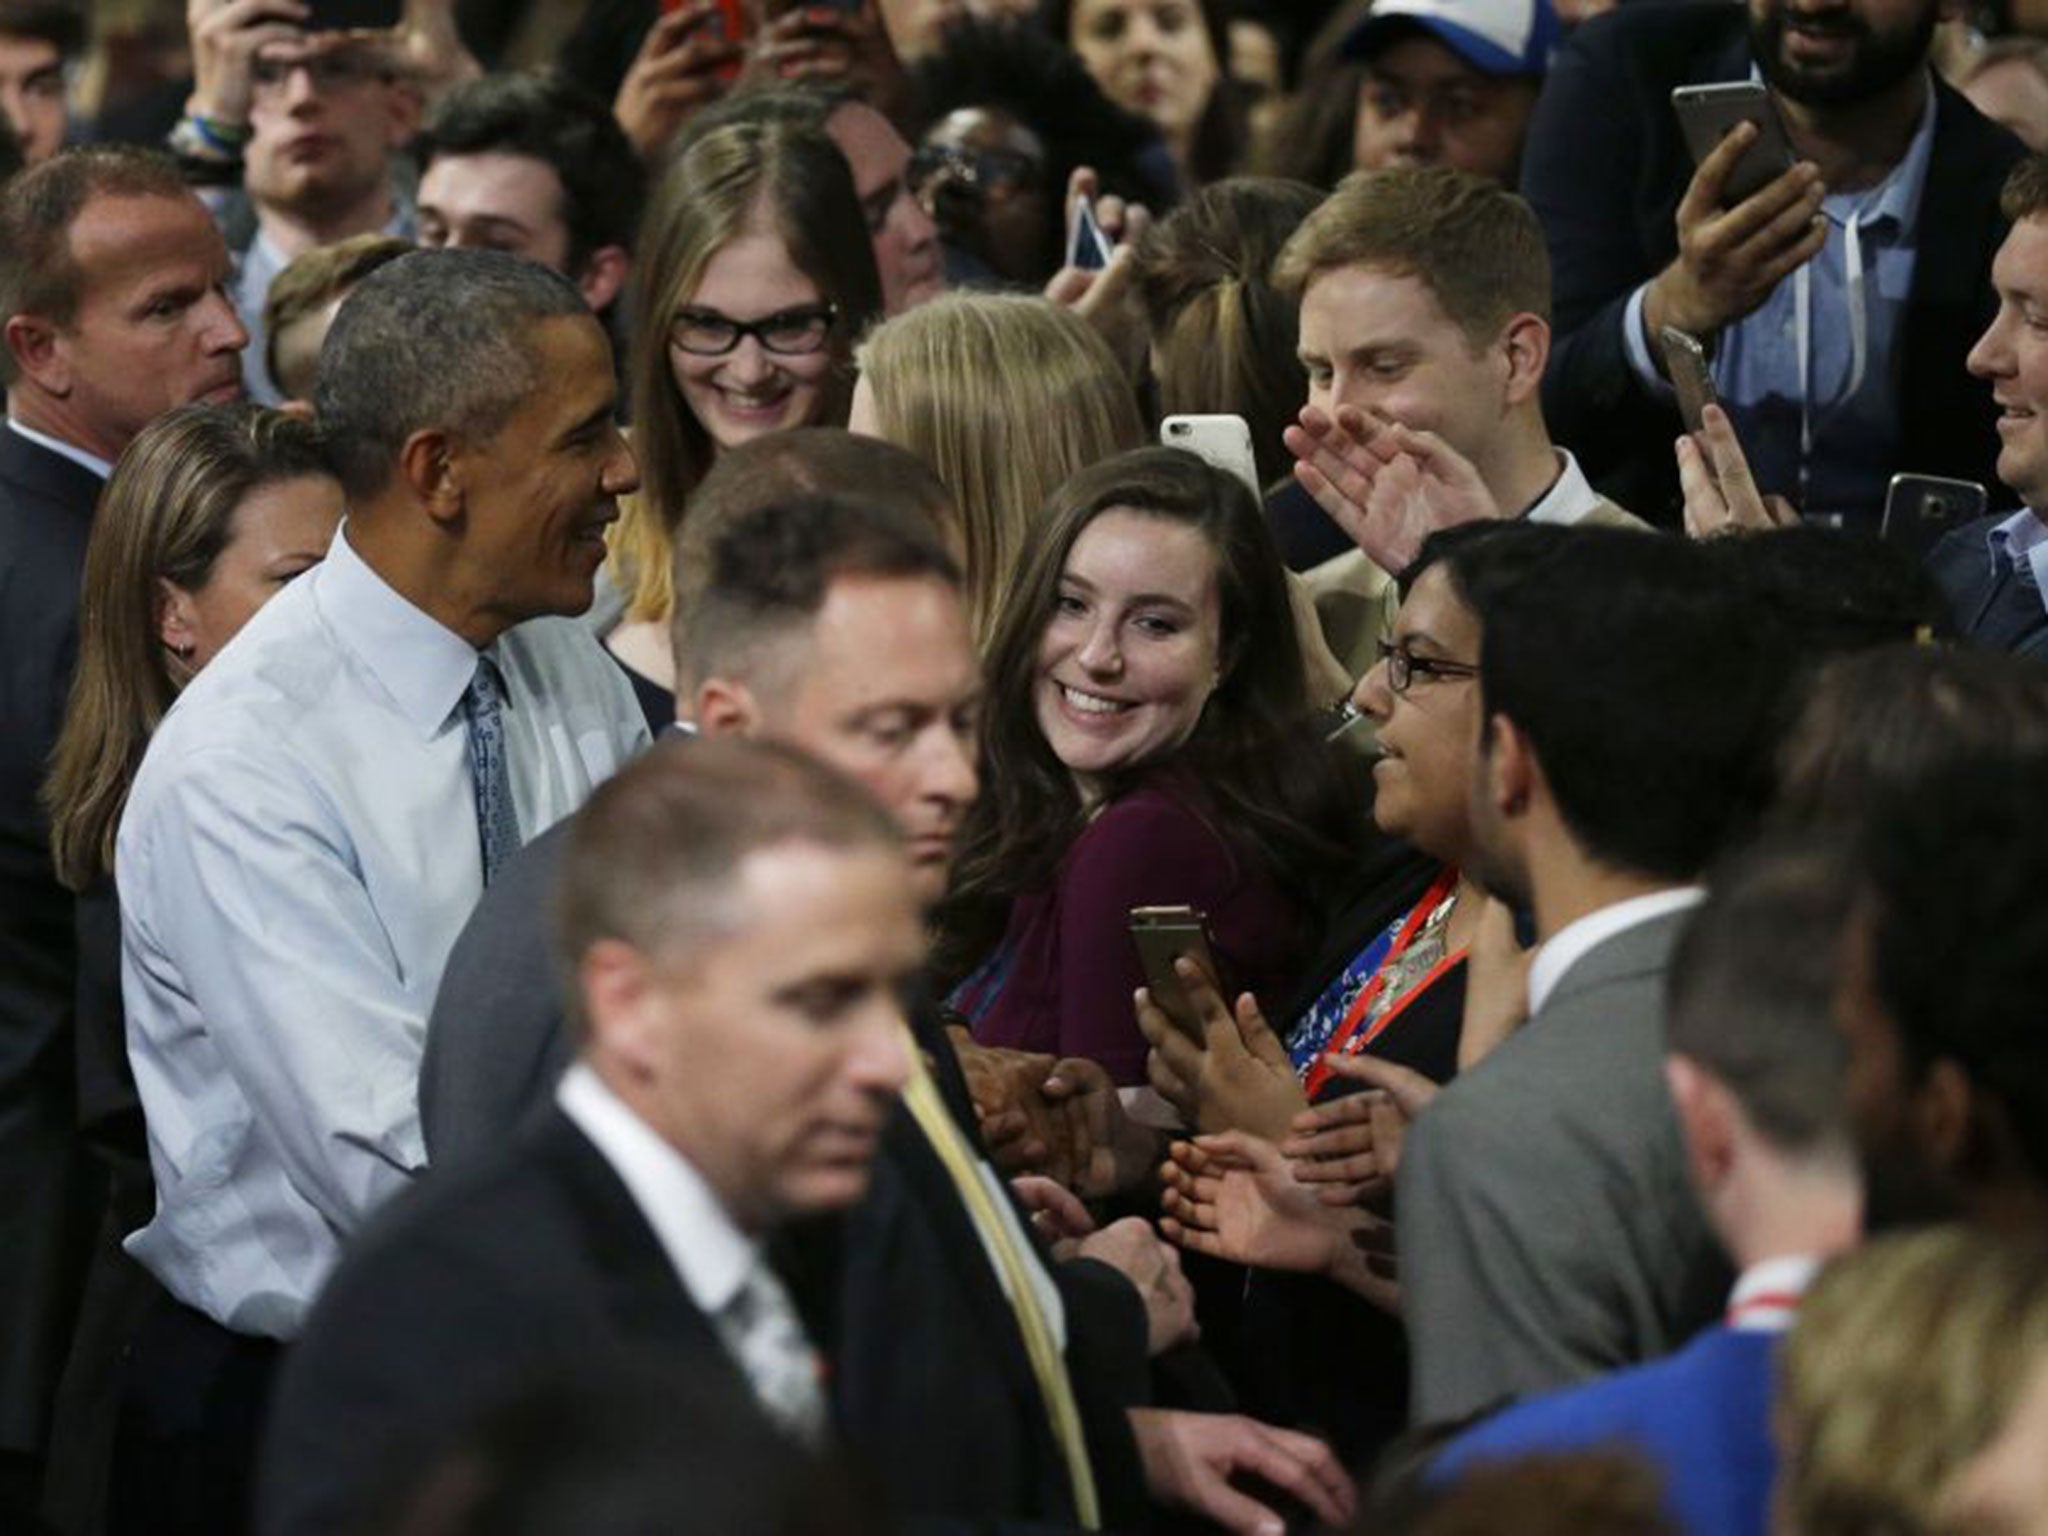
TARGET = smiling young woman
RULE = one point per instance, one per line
(1149, 741)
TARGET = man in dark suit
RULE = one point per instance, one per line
(1548, 1229)
(1839, 301)
(112, 304)
(740, 922)
(1991, 570)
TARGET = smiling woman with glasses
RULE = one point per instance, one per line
(755, 276)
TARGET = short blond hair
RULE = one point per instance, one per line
(1476, 245)
(1906, 1358)
(1005, 397)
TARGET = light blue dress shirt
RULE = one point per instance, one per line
(1854, 431)
(2022, 540)
(298, 854)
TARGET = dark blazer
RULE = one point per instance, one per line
(1605, 168)
(932, 1388)
(48, 1213)
(532, 1260)
(1991, 608)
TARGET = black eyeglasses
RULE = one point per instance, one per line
(1404, 667)
(327, 71)
(789, 332)
(984, 170)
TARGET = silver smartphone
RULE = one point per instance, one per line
(1919, 509)
(1224, 442)
(1163, 935)
(1685, 364)
(1706, 113)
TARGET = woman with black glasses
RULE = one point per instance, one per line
(754, 279)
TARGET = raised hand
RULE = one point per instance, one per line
(1236, 1077)
(1387, 485)
(226, 37)
(684, 64)
(1720, 492)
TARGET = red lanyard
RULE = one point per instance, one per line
(1348, 1041)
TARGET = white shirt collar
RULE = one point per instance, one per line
(76, 455)
(1570, 497)
(1768, 1293)
(424, 665)
(711, 1255)
(1575, 940)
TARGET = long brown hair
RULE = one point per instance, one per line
(166, 514)
(1278, 796)
(792, 182)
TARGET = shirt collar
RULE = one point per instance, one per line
(76, 455)
(1768, 1293)
(1896, 201)
(711, 1255)
(1570, 497)
(2022, 539)
(1575, 940)
(425, 666)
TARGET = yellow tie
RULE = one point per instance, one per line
(926, 1106)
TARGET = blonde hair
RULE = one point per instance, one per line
(1005, 397)
(776, 178)
(167, 513)
(1906, 1358)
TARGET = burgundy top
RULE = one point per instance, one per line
(1072, 965)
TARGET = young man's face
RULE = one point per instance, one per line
(326, 120)
(2013, 356)
(1420, 104)
(1380, 340)
(495, 201)
(32, 94)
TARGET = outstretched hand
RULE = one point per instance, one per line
(1199, 1461)
(1387, 485)
(1348, 1149)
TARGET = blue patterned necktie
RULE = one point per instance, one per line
(497, 822)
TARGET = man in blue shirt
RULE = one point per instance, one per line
(1758, 1073)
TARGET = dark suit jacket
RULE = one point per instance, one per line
(1549, 1228)
(1989, 606)
(932, 1387)
(1604, 170)
(47, 1215)
(532, 1260)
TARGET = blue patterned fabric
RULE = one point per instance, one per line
(497, 822)
(1311, 1037)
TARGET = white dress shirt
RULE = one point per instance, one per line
(1570, 497)
(298, 854)
(1575, 940)
(64, 450)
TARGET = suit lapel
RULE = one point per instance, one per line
(1639, 951)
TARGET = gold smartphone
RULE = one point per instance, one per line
(1685, 361)
(1163, 935)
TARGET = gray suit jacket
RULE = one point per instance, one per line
(1549, 1230)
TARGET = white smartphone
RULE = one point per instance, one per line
(1091, 249)
(1222, 441)
(1706, 113)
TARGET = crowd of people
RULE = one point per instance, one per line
(966, 765)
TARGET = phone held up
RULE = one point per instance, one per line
(354, 15)
(1163, 935)
(1222, 442)
(1685, 362)
(1706, 115)
(1091, 249)
(1919, 509)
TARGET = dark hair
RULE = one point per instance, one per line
(783, 465)
(1315, 136)
(311, 280)
(771, 569)
(2025, 194)
(1223, 337)
(1482, 559)
(434, 339)
(546, 118)
(1017, 68)
(616, 1446)
(1887, 719)
(1956, 868)
(1832, 592)
(1607, 1491)
(56, 22)
(1278, 796)
(10, 153)
(38, 275)
(1647, 689)
(1221, 135)
(654, 855)
(1752, 989)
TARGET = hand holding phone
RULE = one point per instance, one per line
(1685, 364)
(1707, 114)
(1163, 935)
(1222, 442)
(1090, 249)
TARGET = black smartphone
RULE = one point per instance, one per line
(1706, 113)
(1685, 363)
(354, 15)
(1919, 509)
(1163, 935)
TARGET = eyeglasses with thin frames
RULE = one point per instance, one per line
(327, 71)
(787, 332)
(1404, 667)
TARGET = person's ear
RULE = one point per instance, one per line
(726, 707)
(177, 619)
(617, 987)
(1944, 1115)
(431, 465)
(1509, 764)
(32, 344)
(603, 275)
(405, 107)
(1526, 344)
(1706, 1118)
